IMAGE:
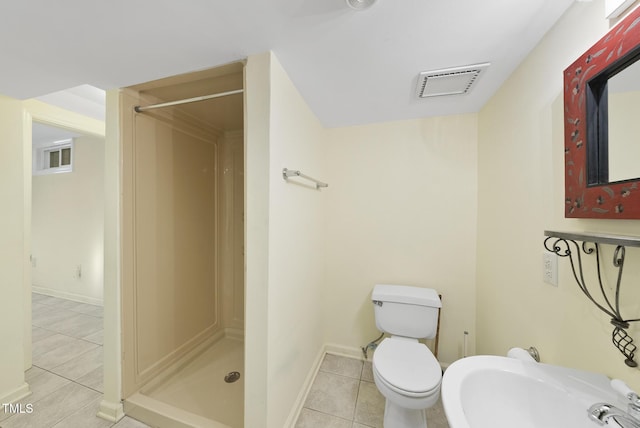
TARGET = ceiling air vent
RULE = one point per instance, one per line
(449, 81)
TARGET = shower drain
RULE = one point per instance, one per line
(232, 377)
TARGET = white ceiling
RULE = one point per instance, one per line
(351, 67)
(46, 134)
(85, 99)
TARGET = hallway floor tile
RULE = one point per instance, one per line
(66, 377)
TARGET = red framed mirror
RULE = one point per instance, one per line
(601, 130)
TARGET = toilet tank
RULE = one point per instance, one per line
(406, 311)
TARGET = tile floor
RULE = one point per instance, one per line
(66, 377)
(343, 395)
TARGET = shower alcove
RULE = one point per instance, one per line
(182, 250)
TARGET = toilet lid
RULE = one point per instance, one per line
(407, 365)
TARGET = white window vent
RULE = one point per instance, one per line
(449, 81)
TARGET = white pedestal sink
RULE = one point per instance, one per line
(501, 392)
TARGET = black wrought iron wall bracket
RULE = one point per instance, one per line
(566, 245)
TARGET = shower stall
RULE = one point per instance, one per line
(183, 249)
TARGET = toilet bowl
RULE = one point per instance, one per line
(405, 371)
(408, 375)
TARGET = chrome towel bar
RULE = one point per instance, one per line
(287, 173)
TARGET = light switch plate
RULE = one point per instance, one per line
(550, 268)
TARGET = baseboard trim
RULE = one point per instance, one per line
(66, 295)
(17, 394)
(110, 411)
(353, 352)
(345, 351)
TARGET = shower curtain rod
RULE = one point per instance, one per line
(140, 109)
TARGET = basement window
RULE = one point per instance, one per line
(54, 158)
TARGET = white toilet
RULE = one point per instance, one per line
(404, 370)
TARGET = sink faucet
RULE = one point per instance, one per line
(602, 412)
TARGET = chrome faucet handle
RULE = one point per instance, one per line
(634, 401)
(602, 413)
(599, 411)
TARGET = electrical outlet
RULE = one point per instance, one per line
(550, 268)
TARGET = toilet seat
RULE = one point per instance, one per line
(407, 367)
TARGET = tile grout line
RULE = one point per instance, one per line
(70, 380)
(360, 380)
(66, 335)
(355, 405)
(327, 414)
(67, 361)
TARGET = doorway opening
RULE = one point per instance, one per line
(65, 240)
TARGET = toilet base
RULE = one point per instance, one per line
(401, 417)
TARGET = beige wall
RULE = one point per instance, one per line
(285, 246)
(401, 210)
(13, 304)
(521, 193)
(257, 180)
(297, 219)
(67, 226)
(111, 407)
